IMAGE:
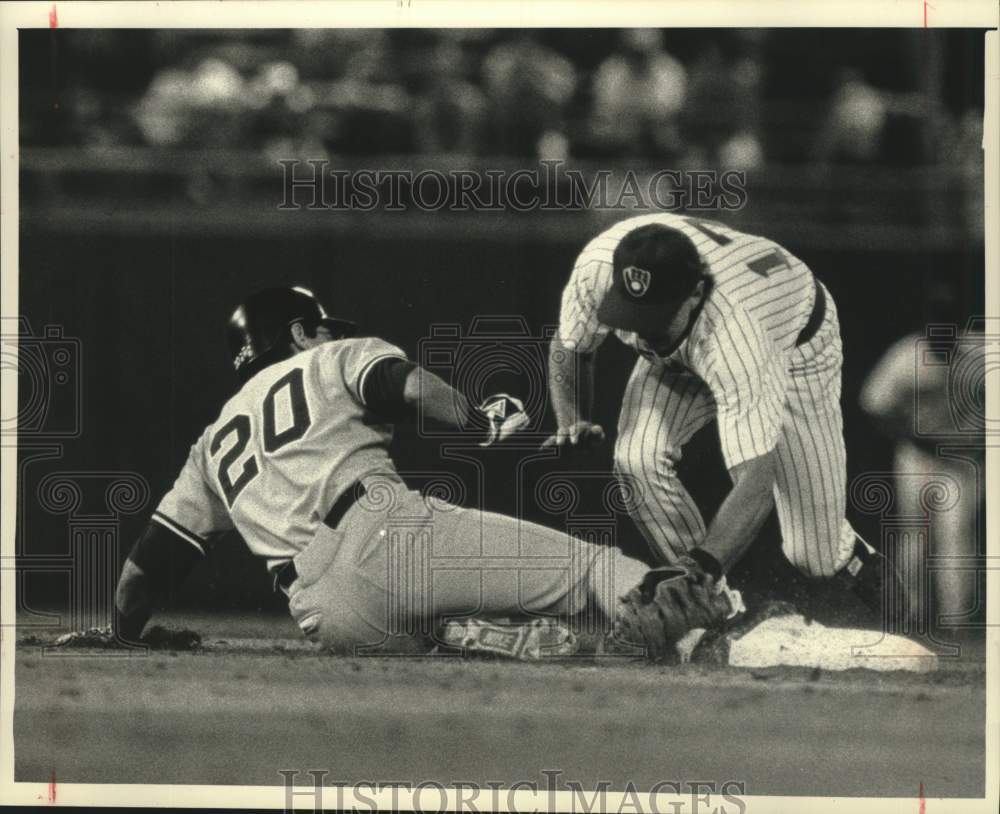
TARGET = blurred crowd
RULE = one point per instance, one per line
(725, 99)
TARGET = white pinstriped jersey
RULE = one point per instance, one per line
(282, 450)
(739, 345)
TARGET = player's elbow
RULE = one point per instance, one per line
(565, 362)
(564, 348)
(413, 386)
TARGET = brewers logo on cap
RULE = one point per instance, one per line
(636, 280)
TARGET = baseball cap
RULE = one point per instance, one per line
(655, 268)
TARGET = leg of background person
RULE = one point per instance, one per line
(912, 466)
(953, 544)
(937, 568)
(661, 409)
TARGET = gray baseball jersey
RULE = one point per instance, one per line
(282, 450)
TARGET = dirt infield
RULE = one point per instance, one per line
(190, 717)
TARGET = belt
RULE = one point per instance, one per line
(287, 574)
(816, 317)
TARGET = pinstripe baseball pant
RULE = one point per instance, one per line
(663, 407)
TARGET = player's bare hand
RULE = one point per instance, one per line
(95, 637)
(580, 435)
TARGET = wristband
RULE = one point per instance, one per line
(709, 564)
(476, 421)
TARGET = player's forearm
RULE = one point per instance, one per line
(133, 602)
(571, 383)
(431, 397)
(158, 559)
(742, 513)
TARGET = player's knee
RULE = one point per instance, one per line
(627, 573)
(646, 469)
(631, 459)
(610, 577)
(347, 635)
(807, 557)
(823, 555)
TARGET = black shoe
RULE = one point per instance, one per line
(874, 580)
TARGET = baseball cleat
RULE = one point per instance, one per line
(870, 576)
(528, 641)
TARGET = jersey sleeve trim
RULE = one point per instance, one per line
(369, 366)
(180, 531)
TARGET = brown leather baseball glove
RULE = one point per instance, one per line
(669, 603)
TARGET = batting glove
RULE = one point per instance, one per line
(505, 416)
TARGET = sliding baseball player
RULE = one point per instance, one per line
(297, 462)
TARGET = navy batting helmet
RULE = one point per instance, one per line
(259, 327)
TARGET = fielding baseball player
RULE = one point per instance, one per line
(297, 463)
(731, 328)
